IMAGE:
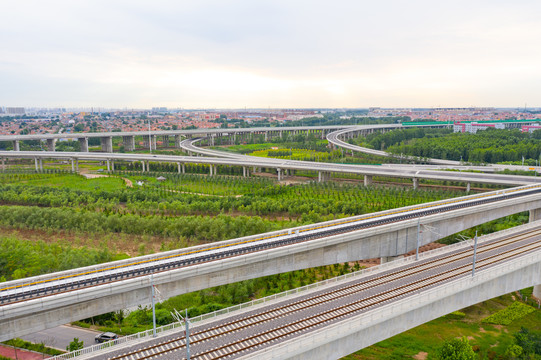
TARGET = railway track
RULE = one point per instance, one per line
(109, 274)
(335, 303)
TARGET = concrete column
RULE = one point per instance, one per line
(324, 176)
(51, 144)
(279, 172)
(84, 144)
(211, 140)
(148, 166)
(165, 140)
(112, 165)
(16, 146)
(108, 165)
(72, 165)
(535, 215)
(3, 165)
(184, 168)
(178, 167)
(468, 187)
(266, 136)
(368, 179)
(143, 165)
(415, 183)
(35, 161)
(128, 142)
(107, 144)
(153, 142)
(178, 140)
(77, 165)
(41, 164)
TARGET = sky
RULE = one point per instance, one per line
(270, 54)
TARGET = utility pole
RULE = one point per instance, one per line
(153, 306)
(176, 315)
(149, 137)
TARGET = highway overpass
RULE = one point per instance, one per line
(338, 317)
(36, 303)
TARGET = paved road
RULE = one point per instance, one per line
(59, 337)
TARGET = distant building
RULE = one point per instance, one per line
(15, 111)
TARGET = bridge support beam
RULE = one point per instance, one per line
(143, 166)
(368, 179)
(178, 140)
(107, 144)
(51, 144)
(35, 162)
(16, 146)
(40, 164)
(415, 183)
(83, 142)
(129, 143)
(108, 165)
(468, 187)
(72, 165)
(535, 215)
(245, 171)
(323, 176)
(279, 173)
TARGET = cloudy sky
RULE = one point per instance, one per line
(258, 53)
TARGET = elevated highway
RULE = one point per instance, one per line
(324, 169)
(32, 304)
(334, 139)
(360, 309)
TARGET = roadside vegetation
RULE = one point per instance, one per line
(57, 220)
(487, 146)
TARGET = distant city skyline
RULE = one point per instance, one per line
(270, 54)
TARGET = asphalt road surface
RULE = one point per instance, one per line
(60, 336)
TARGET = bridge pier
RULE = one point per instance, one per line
(245, 171)
(178, 140)
(143, 166)
(535, 215)
(3, 165)
(279, 173)
(16, 146)
(468, 187)
(41, 164)
(323, 176)
(108, 165)
(368, 179)
(107, 144)
(35, 162)
(72, 165)
(51, 144)
(129, 143)
(415, 183)
(84, 144)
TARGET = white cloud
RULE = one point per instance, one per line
(269, 53)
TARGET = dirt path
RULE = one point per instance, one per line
(94, 176)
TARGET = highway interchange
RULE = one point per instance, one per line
(303, 317)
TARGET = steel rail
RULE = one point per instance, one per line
(300, 236)
(341, 291)
(375, 299)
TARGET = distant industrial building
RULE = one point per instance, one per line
(474, 126)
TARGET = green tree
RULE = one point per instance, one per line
(75, 345)
(456, 349)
